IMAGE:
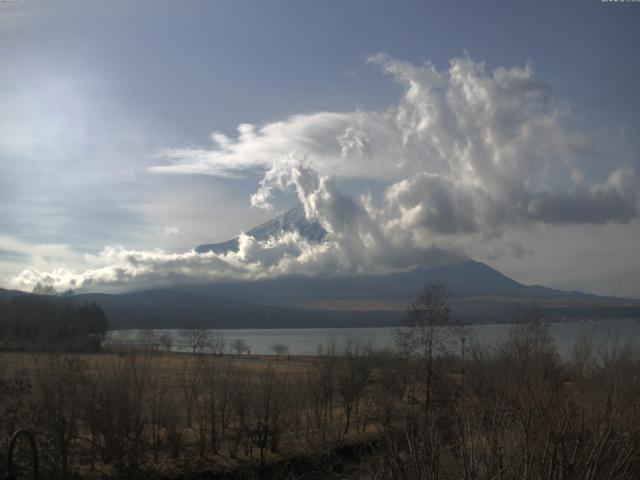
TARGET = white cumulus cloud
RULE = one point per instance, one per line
(467, 155)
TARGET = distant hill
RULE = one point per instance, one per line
(479, 294)
(164, 308)
(7, 294)
(465, 279)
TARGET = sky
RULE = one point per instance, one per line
(416, 132)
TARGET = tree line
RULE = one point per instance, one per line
(515, 409)
(44, 320)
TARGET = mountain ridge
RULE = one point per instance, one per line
(486, 280)
(479, 294)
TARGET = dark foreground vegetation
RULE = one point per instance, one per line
(509, 411)
(45, 321)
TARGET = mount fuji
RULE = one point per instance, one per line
(479, 294)
(292, 220)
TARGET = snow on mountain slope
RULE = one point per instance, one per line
(292, 220)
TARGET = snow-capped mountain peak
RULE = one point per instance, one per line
(290, 221)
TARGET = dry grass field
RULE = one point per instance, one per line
(179, 412)
(515, 410)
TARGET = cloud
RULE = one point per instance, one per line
(170, 230)
(262, 147)
(470, 150)
(612, 201)
(467, 156)
(355, 243)
(14, 253)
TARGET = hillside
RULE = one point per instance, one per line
(479, 294)
(165, 308)
(465, 279)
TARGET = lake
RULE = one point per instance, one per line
(305, 341)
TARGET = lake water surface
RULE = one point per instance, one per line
(305, 341)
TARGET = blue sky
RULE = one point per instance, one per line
(94, 95)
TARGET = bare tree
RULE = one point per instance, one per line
(269, 412)
(242, 402)
(240, 346)
(529, 351)
(195, 338)
(353, 377)
(166, 341)
(428, 327)
(40, 289)
(218, 342)
(122, 402)
(190, 387)
(321, 383)
(213, 406)
(147, 339)
(60, 383)
(279, 349)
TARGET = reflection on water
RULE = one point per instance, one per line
(306, 341)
